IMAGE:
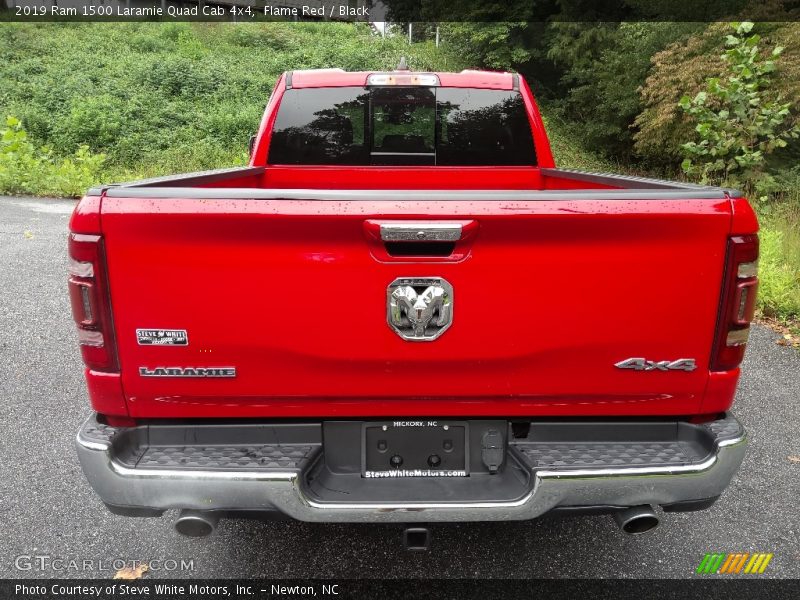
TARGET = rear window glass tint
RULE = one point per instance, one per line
(402, 126)
(483, 127)
(321, 126)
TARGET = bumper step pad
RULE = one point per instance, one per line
(214, 447)
(554, 456)
(272, 456)
(283, 467)
(564, 445)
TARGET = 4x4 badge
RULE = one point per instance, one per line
(642, 364)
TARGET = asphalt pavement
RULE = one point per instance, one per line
(48, 510)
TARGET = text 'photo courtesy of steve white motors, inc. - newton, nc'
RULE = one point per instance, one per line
(112, 10)
(170, 590)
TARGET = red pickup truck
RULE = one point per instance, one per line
(402, 311)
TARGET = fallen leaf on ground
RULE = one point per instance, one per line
(789, 331)
(28, 235)
(131, 572)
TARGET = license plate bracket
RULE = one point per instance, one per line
(415, 448)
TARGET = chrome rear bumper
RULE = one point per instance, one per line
(124, 482)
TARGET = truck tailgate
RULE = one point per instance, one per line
(548, 298)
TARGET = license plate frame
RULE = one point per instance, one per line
(415, 441)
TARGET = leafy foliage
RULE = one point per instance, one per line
(25, 169)
(739, 122)
(568, 150)
(493, 45)
(683, 67)
(603, 65)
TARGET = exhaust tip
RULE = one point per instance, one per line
(640, 525)
(637, 520)
(192, 523)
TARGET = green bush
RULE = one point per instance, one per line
(684, 67)
(25, 169)
(603, 65)
(739, 122)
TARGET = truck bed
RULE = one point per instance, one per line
(537, 183)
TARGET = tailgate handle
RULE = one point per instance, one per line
(418, 240)
(427, 231)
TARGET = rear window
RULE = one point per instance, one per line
(402, 126)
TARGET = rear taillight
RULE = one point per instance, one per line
(737, 304)
(91, 304)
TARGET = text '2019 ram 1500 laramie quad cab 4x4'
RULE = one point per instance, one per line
(402, 311)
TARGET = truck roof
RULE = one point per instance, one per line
(313, 78)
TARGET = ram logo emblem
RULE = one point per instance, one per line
(419, 309)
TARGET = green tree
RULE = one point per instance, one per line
(501, 45)
(739, 120)
(602, 67)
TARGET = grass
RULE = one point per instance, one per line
(567, 152)
(779, 264)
